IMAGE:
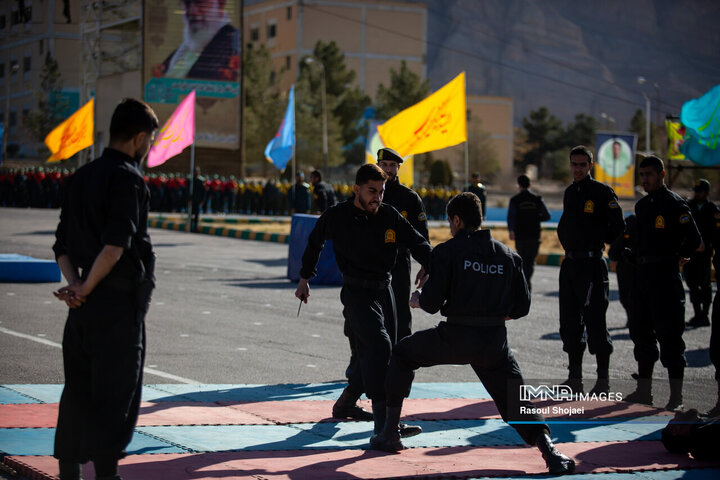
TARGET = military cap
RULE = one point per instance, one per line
(701, 185)
(389, 155)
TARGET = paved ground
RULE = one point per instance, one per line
(223, 313)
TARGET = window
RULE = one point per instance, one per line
(272, 30)
(254, 34)
(2, 70)
(27, 64)
(3, 21)
(287, 62)
(25, 115)
(289, 13)
(13, 118)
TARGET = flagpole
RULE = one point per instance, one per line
(292, 179)
(467, 161)
(192, 180)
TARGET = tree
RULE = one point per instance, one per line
(50, 107)
(544, 134)
(345, 104)
(638, 127)
(582, 132)
(441, 173)
(264, 107)
(405, 90)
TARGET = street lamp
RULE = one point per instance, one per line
(640, 81)
(310, 60)
(608, 120)
(13, 68)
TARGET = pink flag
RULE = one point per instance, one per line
(177, 133)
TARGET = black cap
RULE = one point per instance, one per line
(701, 185)
(389, 155)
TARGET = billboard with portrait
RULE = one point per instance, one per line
(195, 45)
(615, 162)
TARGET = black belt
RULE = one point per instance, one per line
(656, 259)
(577, 254)
(366, 283)
(476, 321)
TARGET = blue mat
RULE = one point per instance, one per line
(20, 269)
(11, 397)
(40, 441)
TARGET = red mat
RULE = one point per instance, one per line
(459, 462)
(39, 415)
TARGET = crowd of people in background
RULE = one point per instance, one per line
(42, 188)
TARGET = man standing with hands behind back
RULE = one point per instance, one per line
(104, 252)
(591, 217)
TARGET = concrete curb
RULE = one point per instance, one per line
(221, 231)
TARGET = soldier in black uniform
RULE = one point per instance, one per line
(715, 328)
(367, 235)
(104, 252)
(525, 213)
(479, 190)
(667, 237)
(323, 193)
(697, 270)
(622, 260)
(478, 284)
(591, 217)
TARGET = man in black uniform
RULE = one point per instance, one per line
(525, 213)
(667, 237)
(622, 260)
(479, 190)
(715, 328)
(478, 284)
(199, 197)
(410, 206)
(697, 270)
(104, 252)
(366, 236)
(591, 217)
(323, 193)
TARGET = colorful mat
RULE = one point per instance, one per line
(286, 432)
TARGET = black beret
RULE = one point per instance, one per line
(389, 155)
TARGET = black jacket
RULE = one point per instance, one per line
(704, 216)
(107, 203)
(525, 213)
(408, 203)
(473, 278)
(665, 226)
(324, 196)
(365, 246)
(591, 216)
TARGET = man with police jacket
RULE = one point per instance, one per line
(366, 235)
(591, 218)
(667, 236)
(104, 252)
(478, 284)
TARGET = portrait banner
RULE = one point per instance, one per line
(615, 162)
(195, 45)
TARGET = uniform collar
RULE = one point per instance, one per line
(118, 156)
(479, 233)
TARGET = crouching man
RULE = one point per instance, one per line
(478, 284)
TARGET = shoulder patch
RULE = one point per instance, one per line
(389, 235)
(589, 207)
(404, 214)
(613, 204)
(684, 218)
(422, 217)
(659, 222)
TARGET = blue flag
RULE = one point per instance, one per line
(701, 119)
(280, 149)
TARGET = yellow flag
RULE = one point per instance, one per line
(72, 135)
(434, 123)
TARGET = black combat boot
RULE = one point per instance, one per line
(675, 402)
(389, 439)
(69, 470)
(574, 380)
(346, 407)
(643, 390)
(603, 368)
(557, 463)
(409, 430)
(379, 412)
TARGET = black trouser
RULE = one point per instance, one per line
(368, 312)
(626, 284)
(697, 276)
(485, 349)
(103, 354)
(527, 248)
(715, 330)
(584, 298)
(659, 315)
(401, 288)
